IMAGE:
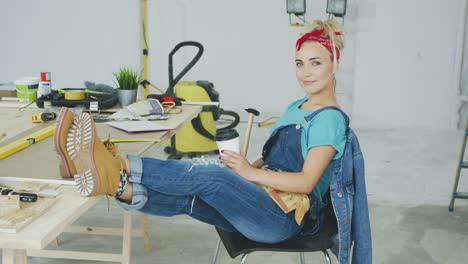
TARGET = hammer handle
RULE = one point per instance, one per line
(247, 135)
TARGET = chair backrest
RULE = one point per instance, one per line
(327, 218)
(330, 226)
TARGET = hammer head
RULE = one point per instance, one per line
(252, 111)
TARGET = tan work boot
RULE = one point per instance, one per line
(97, 170)
(111, 147)
(64, 122)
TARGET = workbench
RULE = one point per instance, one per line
(39, 162)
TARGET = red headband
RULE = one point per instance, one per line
(315, 35)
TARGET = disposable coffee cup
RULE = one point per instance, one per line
(228, 140)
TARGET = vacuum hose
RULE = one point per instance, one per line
(173, 81)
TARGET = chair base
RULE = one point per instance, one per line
(245, 255)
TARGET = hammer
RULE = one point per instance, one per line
(251, 112)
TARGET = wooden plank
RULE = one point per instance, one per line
(17, 219)
(8, 94)
(21, 257)
(8, 256)
(9, 204)
(145, 231)
(127, 237)
(55, 181)
(59, 254)
(43, 230)
(105, 231)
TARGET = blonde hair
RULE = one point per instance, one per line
(330, 26)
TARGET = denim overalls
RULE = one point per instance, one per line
(283, 152)
(212, 193)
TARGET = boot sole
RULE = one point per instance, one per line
(66, 169)
(80, 143)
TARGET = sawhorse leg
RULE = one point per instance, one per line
(144, 227)
(127, 237)
(124, 257)
(14, 256)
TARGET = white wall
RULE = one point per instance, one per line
(463, 113)
(396, 71)
(74, 40)
(249, 49)
(405, 64)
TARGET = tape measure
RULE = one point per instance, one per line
(42, 117)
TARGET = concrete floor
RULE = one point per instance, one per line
(409, 175)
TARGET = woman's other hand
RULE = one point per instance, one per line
(238, 163)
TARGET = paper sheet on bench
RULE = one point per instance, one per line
(139, 126)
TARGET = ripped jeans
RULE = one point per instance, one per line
(209, 192)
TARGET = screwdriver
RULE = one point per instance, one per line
(25, 197)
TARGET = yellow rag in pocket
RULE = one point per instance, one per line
(289, 201)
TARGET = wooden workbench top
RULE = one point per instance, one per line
(40, 161)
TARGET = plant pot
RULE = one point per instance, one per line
(126, 97)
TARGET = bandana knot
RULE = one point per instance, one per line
(316, 35)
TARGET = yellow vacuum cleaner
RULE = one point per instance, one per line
(197, 137)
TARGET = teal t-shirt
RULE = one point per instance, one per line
(326, 128)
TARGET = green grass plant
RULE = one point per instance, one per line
(127, 79)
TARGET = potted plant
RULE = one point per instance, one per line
(127, 81)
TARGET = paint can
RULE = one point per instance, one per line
(26, 87)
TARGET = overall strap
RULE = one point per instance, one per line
(311, 116)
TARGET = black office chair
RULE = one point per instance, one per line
(236, 244)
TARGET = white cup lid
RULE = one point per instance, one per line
(227, 135)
